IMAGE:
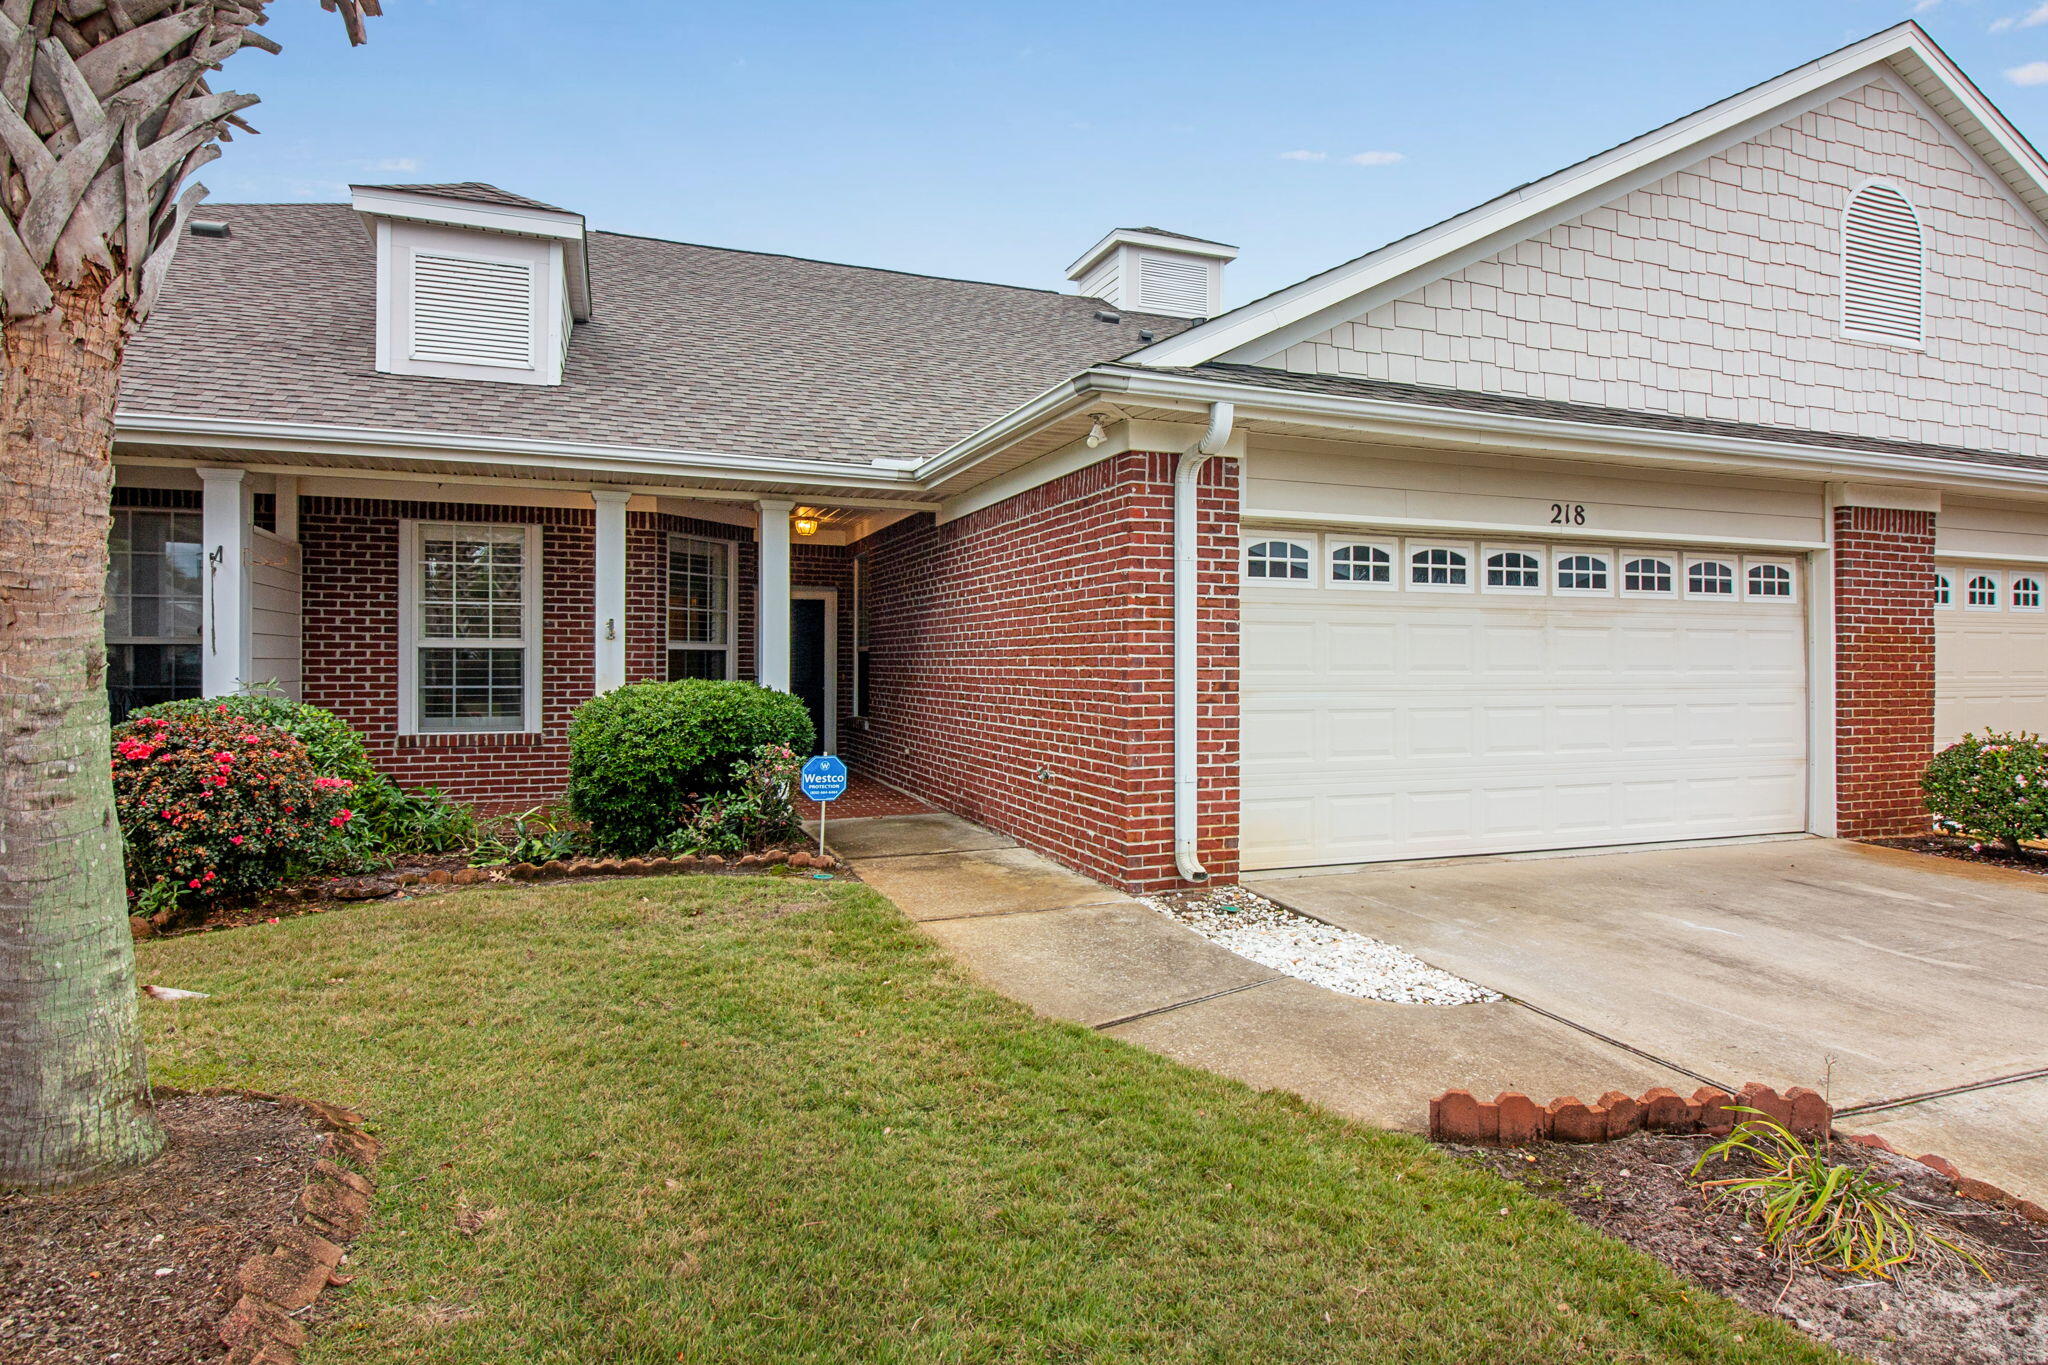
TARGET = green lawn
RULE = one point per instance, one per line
(758, 1120)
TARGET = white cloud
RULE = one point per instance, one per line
(395, 163)
(1303, 156)
(1376, 158)
(2033, 73)
(2033, 18)
(1922, 6)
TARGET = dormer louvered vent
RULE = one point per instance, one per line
(1168, 284)
(472, 312)
(1883, 267)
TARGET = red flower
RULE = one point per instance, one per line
(194, 883)
(342, 819)
(235, 839)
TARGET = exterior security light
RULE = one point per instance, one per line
(805, 526)
(1096, 435)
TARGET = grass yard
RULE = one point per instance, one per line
(756, 1120)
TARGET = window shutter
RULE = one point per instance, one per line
(1882, 266)
(472, 312)
(1170, 285)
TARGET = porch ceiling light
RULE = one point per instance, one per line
(805, 526)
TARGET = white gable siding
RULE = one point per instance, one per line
(1716, 293)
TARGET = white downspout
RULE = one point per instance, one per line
(1187, 567)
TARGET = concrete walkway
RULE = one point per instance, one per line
(1073, 949)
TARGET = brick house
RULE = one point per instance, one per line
(1695, 491)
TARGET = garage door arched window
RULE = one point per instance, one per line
(1277, 561)
(1361, 565)
(1513, 571)
(1883, 268)
(1770, 580)
(1944, 592)
(1981, 594)
(1439, 568)
(1709, 578)
(1583, 573)
(2026, 594)
(1647, 578)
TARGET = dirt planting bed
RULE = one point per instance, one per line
(1970, 851)
(1942, 1313)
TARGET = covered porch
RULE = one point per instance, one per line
(457, 618)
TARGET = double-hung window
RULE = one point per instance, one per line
(700, 615)
(470, 608)
(153, 608)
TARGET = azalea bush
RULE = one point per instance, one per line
(212, 803)
(643, 758)
(753, 812)
(1992, 787)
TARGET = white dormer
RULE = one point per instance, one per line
(1151, 270)
(473, 282)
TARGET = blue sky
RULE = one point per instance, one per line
(997, 142)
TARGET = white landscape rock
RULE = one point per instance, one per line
(1339, 959)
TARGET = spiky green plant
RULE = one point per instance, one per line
(1820, 1212)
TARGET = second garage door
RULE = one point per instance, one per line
(1416, 699)
(1990, 649)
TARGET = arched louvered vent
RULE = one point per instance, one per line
(1882, 267)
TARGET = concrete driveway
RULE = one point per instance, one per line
(1885, 976)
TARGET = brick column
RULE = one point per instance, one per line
(1884, 669)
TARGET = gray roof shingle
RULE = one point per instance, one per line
(471, 192)
(1393, 391)
(692, 347)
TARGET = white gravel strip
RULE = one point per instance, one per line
(1252, 926)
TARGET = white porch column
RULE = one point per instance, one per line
(286, 492)
(771, 604)
(224, 576)
(608, 661)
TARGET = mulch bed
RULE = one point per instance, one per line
(1640, 1191)
(142, 1269)
(1948, 846)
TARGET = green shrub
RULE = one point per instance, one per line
(642, 757)
(214, 803)
(334, 749)
(1992, 787)
(754, 812)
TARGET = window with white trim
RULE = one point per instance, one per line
(1512, 571)
(1583, 572)
(1648, 576)
(2025, 595)
(1361, 564)
(153, 608)
(1439, 568)
(1981, 593)
(1709, 578)
(700, 609)
(1883, 268)
(1275, 560)
(470, 606)
(1770, 580)
(1944, 592)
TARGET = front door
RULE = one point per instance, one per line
(811, 671)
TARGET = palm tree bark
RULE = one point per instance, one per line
(105, 111)
(78, 1104)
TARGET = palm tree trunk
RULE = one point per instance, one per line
(74, 1097)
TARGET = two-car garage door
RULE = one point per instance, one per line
(1407, 698)
(1990, 649)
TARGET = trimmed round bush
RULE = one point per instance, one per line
(213, 803)
(641, 757)
(1992, 787)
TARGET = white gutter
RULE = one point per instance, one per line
(1187, 570)
(151, 428)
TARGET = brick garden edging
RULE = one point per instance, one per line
(1515, 1120)
(263, 1327)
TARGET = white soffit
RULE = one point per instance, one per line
(1259, 329)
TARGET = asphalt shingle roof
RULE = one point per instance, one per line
(472, 192)
(692, 347)
(1393, 391)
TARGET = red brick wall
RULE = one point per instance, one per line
(1022, 662)
(351, 566)
(1884, 669)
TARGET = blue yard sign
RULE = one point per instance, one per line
(823, 779)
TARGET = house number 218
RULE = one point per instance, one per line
(1567, 514)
